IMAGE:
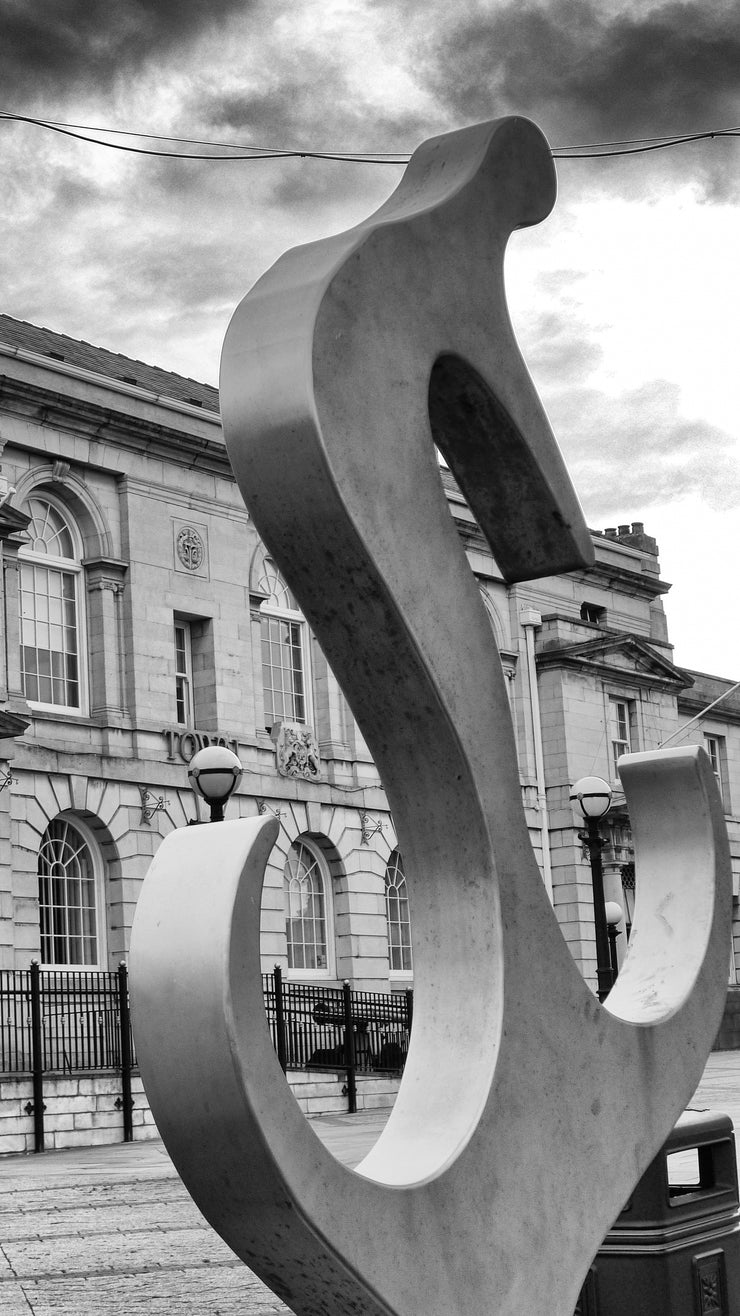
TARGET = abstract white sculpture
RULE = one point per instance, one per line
(527, 1111)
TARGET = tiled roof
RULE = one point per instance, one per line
(111, 365)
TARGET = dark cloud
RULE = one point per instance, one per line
(308, 104)
(667, 69)
(305, 98)
(71, 196)
(68, 44)
(280, 115)
(587, 76)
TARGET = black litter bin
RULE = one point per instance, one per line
(675, 1248)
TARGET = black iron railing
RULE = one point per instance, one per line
(326, 1028)
(16, 1047)
(61, 1023)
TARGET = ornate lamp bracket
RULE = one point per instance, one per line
(150, 804)
(264, 807)
(369, 827)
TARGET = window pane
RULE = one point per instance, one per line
(397, 915)
(305, 909)
(67, 897)
(49, 531)
(48, 611)
(283, 659)
(282, 670)
(272, 584)
(717, 751)
(621, 721)
(183, 674)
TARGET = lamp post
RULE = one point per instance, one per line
(593, 798)
(614, 916)
(214, 773)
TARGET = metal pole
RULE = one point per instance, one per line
(530, 619)
(349, 1050)
(124, 1015)
(282, 1053)
(37, 1058)
(604, 972)
(613, 934)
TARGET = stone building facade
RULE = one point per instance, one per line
(143, 619)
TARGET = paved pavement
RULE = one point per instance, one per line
(110, 1230)
(107, 1230)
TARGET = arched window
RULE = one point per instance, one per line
(68, 897)
(52, 659)
(397, 916)
(285, 663)
(306, 913)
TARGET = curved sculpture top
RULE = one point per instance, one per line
(527, 1111)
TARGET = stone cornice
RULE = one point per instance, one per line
(471, 534)
(649, 668)
(704, 692)
(112, 564)
(88, 419)
(12, 724)
(103, 370)
(635, 583)
(13, 523)
(104, 572)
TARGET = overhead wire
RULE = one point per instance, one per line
(238, 151)
(649, 144)
(227, 150)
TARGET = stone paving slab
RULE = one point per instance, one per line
(99, 1244)
(184, 1292)
(14, 1301)
(113, 1231)
(104, 1251)
(6, 1270)
(19, 1198)
(132, 1217)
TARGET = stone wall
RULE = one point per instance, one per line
(728, 1037)
(81, 1110)
(319, 1093)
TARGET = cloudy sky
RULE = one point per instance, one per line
(625, 301)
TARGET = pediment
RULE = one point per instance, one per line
(622, 654)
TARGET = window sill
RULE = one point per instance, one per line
(323, 976)
(59, 711)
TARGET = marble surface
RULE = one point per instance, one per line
(527, 1110)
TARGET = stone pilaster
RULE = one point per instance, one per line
(105, 584)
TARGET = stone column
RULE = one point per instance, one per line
(105, 584)
(256, 599)
(6, 869)
(11, 725)
(331, 715)
(11, 621)
(12, 535)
